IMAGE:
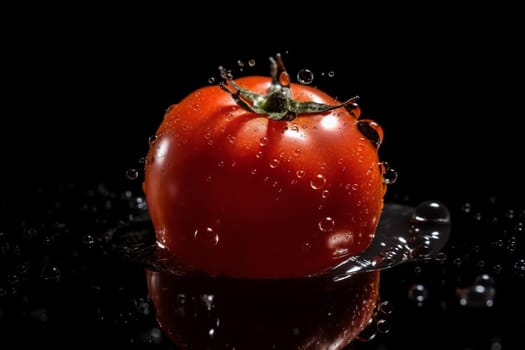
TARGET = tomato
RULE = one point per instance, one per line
(264, 178)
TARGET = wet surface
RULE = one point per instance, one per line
(67, 278)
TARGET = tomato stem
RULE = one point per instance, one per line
(278, 104)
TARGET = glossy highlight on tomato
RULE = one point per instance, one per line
(243, 180)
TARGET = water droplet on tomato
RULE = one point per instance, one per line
(300, 173)
(274, 163)
(132, 174)
(207, 236)
(152, 139)
(371, 130)
(305, 76)
(389, 174)
(326, 224)
(318, 182)
(259, 154)
(297, 151)
(254, 171)
(263, 141)
(325, 194)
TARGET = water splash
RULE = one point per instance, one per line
(404, 234)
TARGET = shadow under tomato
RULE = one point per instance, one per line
(205, 313)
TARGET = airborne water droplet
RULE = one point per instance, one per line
(132, 174)
(305, 76)
(418, 293)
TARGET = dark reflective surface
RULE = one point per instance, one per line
(65, 280)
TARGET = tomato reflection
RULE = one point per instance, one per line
(306, 314)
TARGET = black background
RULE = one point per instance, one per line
(83, 89)
(83, 92)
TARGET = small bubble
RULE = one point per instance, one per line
(263, 141)
(326, 224)
(386, 307)
(221, 164)
(88, 241)
(142, 160)
(418, 293)
(305, 76)
(211, 80)
(325, 194)
(259, 154)
(299, 173)
(152, 139)
(240, 63)
(274, 163)
(207, 236)
(318, 182)
(383, 326)
(132, 174)
(331, 74)
(251, 62)
(480, 294)
(50, 273)
(519, 267)
(254, 171)
(297, 151)
(371, 130)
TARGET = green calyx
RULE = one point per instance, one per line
(277, 103)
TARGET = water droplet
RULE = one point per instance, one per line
(331, 74)
(418, 293)
(305, 76)
(209, 179)
(152, 139)
(251, 62)
(221, 164)
(318, 182)
(274, 163)
(383, 326)
(480, 294)
(299, 173)
(371, 130)
(326, 224)
(519, 267)
(259, 154)
(132, 174)
(297, 151)
(325, 194)
(386, 307)
(207, 236)
(211, 80)
(50, 273)
(254, 171)
(389, 174)
(263, 141)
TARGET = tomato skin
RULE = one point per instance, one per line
(234, 193)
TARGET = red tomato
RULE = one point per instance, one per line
(246, 181)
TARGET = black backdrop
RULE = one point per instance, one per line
(83, 90)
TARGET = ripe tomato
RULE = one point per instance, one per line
(261, 177)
